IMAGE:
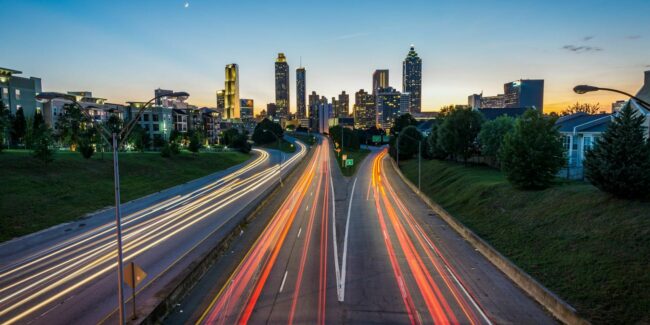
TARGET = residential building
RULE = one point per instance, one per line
(525, 93)
(580, 131)
(180, 118)
(365, 110)
(231, 93)
(379, 80)
(19, 92)
(96, 107)
(210, 124)
(388, 106)
(282, 85)
(412, 80)
(157, 121)
(247, 109)
(301, 93)
(221, 102)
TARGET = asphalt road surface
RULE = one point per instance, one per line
(68, 275)
(362, 250)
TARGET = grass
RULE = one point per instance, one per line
(356, 155)
(591, 249)
(285, 146)
(35, 196)
(308, 140)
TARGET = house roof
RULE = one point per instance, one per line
(583, 122)
(425, 125)
(492, 113)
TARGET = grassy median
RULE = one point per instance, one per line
(356, 155)
(591, 249)
(34, 196)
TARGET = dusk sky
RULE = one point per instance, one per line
(123, 50)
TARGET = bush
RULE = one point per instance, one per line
(195, 143)
(175, 148)
(86, 149)
(42, 144)
(532, 154)
(620, 161)
(166, 151)
(492, 134)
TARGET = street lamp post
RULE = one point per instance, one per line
(419, 156)
(103, 131)
(583, 89)
(281, 154)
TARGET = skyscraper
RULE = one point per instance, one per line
(301, 93)
(412, 80)
(271, 110)
(221, 104)
(379, 80)
(282, 85)
(388, 106)
(231, 93)
(365, 110)
(525, 93)
(342, 105)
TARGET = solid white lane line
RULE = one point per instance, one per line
(283, 280)
(299, 231)
(345, 244)
(334, 240)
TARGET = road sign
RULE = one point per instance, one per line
(376, 138)
(133, 275)
(349, 162)
(344, 157)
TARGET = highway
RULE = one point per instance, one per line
(362, 250)
(71, 278)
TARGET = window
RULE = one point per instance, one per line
(566, 142)
(146, 117)
(156, 127)
(17, 94)
(5, 92)
(154, 117)
(588, 143)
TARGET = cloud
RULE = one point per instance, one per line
(349, 36)
(588, 38)
(581, 48)
(633, 37)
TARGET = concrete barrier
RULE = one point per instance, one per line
(554, 304)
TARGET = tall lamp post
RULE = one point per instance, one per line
(116, 141)
(281, 154)
(583, 89)
(401, 134)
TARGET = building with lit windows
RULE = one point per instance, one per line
(524, 93)
(379, 80)
(412, 80)
(231, 93)
(246, 109)
(341, 105)
(282, 86)
(389, 102)
(221, 102)
(364, 110)
(301, 93)
(314, 101)
(19, 92)
(405, 104)
(157, 121)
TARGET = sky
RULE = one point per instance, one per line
(123, 50)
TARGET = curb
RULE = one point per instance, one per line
(185, 281)
(545, 297)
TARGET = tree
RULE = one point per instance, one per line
(458, 131)
(70, 125)
(4, 124)
(18, 127)
(620, 160)
(166, 150)
(582, 108)
(229, 135)
(407, 140)
(263, 137)
(402, 122)
(42, 144)
(350, 138)
(114, 124)
(139, 138)
(195, 142)
(532, 154)
(86, 149)
(491, 136)
(240, 142)
(435, 150)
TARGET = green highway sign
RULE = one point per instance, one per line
(349, 162)
(376, 138)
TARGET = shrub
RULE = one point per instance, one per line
(492, 134)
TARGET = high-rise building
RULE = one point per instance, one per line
(524, 93)
(221, 104)
(379, 80)
(271, 110)
(388, 106)
(301, 93)
(644, 92)
(474, 101)
(282, 85)
(365, 110)
(324, 114)
(498, 101)
(19, 93)
(314, 102)
(231, 95)
(247, 111)
(405, 103)
(341, 105)
(412, 80)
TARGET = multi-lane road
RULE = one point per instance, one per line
(362, 250)
(68, 277)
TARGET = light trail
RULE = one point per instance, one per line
(36, 281)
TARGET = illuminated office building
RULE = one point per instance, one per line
(388, 106)
(221, 101)
(412, 80)
(301, 93)
(282, 85)
(246, 109)
(524, 93)
(365, 110)
(379, 80)
(231, 93)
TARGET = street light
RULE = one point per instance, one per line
(103, 131)
(281, 154)
(583, 89)
(419, 155)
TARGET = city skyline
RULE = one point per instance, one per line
(478, 55)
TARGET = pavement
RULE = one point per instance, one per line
(359, 250)
(66, 274)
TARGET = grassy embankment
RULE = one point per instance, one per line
(34, 196)
(591, 249)
(356, 155)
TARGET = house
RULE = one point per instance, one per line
(579, 134)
